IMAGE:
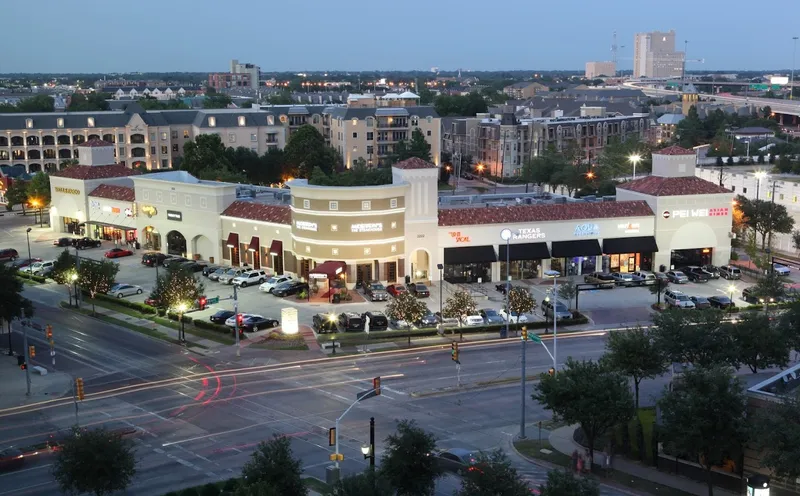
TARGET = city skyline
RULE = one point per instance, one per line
(352, 37)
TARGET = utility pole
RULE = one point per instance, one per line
(27, 357)
(78, 271)
(236, 319)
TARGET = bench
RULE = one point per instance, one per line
(40, 370)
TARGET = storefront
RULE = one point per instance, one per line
(695, 256)
(111, 214)
(628, 254)
(524, 260)
(573, 258)
(469, 264)
(324, 278)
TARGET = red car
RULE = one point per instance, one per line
(396, 289)
(118, 252)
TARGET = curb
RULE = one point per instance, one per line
(471, 387)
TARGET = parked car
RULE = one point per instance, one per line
(350, 321)
(25, 262)
(750, 295)
(473, 320)
(677, 277)
(697, 274)
(117, 253)
(730, 272)
(64, 242)
(210, 269)
(490, 316)
(121, 290)
(418, 289)
(42, 268)
(230, 275)
(153, 259)
(446, 321)
(214, 276)
(289, 288)
(781, 270)
(255, 323)
(427, 320)
(377, 320)
(7, 254)
(193, 265)
(221, 316)
(153, 302)
(456, 460)
(721, 302)
(700, 302)
(250, 277)
(270, 284)
(645, 278)
(231, 321)
(173, 261)
(516, 318)
(560, 311)
(399, 324)
(87, 243)
(376, 291)
(504, 287)
(324, 323)
(601, 280)
(395, 289)
(675, 298)
(625, 279)
(712, 269)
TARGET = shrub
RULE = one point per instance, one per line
(204, 324)
(190, 491)
(31, 277)
(210, 489)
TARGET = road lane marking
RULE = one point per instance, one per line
(28, 487)
(26, 470)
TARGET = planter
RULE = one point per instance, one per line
(197, 256)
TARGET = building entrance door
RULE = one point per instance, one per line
(363, 273)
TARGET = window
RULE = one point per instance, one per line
(429, 132)
(370, 123)
(165, 163)
(370, 135)
(306, 204)
(414, 120)
(733, 188)
(354, 121)
(152, 150)
(370, 149)
(254, 137)
(366, 205)
(429, 119)
(355, 135)
(203, 202)
(212, 121)
(794, 199)
(122, 151)
(242, 121)
(394, 225)
(159, 197)
(394, 248)
(335, 227)
(769, 194)
(173, 198)
(231, 138)
(175, 147)
(367, 251)
(145, 195)
(185, 134)
(164, 150)
(60, 122)
(334, 251)
(164, 136)
(334, 205)
(781, 196)
(270, 120)
(393, 203)
(90, 121)
(744, 191)
(29, 123)
(187, 200)
(152, 137)
(174, 134)
(308, 249)
(120, 137)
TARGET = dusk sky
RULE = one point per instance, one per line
(203, 35)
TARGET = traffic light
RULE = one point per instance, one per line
(376, 385)
(79, 388)
(551, 371)
(239, 319)
(202, 302)
(454, 352)
(332, 436)
(31, 351)
(21, 363)
(524, 333)
(48, 331)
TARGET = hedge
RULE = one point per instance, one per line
(204, 324)
(31, 277)
(139, 307)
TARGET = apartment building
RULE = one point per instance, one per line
(240, 76)
(600, 69)
(654, 55)
(524, 90)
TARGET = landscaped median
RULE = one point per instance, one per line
(30, 278)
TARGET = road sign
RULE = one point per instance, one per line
(211, 301)
(534, 337)
(363, 395)
(764, 87)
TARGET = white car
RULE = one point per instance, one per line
(273, 281)
(250, 277)
(516, 318)
(40, 268)
(231, 321)
(120, 290)
(473, 320)
(677, 299)
(230, 275)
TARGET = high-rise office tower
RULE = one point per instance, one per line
(654, 55)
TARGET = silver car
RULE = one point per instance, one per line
(230, 275)
(121, 290)
(561, 311)
(214, 276)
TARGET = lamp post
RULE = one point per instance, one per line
(759, 175)
(731, 290)
(368, 450)
(441, 288)
(554, 274)
(794, 52)
(28, 238)
(505, 234)
(635, 159)
(74, 279)
(182, 307)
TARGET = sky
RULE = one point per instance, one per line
(292, 35)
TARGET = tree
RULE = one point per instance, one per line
(273, 464)
(306, 149)
(520, 301)
(64, 269)
(765, 218)
(17, 194)
(696, 338)
(88, 103)
(469, 105)
(704, 417)
(567, 291)
(12, 304)
(406, 307)
(151, 103)
(588, 394)
(494, 477)
(206, 151)
(419, 146)
(770, 287)
(459, 304)
(96, 277)
(222, 174)
(94, 461)
(38, 189)
(68, 163)
(658, 288)
(759, 343)
(367, 483)
(177, 287)
(633, 352)
(775, 431)
(406, 462)
(38, 103)
(282, 98)
(216, 101)
(691, 130)
(563, 483)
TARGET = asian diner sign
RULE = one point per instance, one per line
(696, 212)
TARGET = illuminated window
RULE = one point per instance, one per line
(334, 227)
(90, 121)
(334, 205)
(367, 251)
(29, 123)
(212, 121)
(334, 251)
(366, 205)
(306, 204)
(394, 225)
(60, 122)
(308, 249)
(394, 248)
(393, 203)
(242, 121)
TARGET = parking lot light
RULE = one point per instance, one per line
(182, 307)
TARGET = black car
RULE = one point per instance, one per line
(289, 288)
(209, 269)
(152, 259)
(428, 320)
(64, 242)
(697, 274)
(750, 295)
(257, 323)
(377, 320)
(712, 269)
(173, 262)
(86, 243)
(324, 323)
(700, 302)
(11, 459)
(192, 265)
(504, 287)
(419, 290)
(350, 321)
(721, 302)
(221, 316)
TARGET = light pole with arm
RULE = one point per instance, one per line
(635, 159)
(505, 234)
(759, 176)
(441, 288)
(554, 274)
(794, 52)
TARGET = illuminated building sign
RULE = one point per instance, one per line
(588, 229)
(456, 235)
(305, 225)
(362, 228)
(67, 191)
(629, 227)
(528, 233)
(696, 212)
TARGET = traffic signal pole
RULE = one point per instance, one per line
(26, 350)
(236, 320)
(522, 379)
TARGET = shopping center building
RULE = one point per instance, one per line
(403, 230)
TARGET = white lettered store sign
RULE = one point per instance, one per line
(695, 212)
(528, 233)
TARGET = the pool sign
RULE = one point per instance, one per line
(587, 229)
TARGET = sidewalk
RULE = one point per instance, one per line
(561, 440)
(43, 387)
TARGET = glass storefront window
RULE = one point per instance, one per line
(627, 262)
(574, 266)
(521, 269)
(698, 256)
(462, 273)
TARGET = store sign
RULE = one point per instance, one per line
(696, 212)
(128, 212)
(362, 228)
(587, 229)
(94, 204)
(629, 228)
(174, 215)
(149, 210)
(456, 235)
(67, 191)
(528, 233)
(305, 225)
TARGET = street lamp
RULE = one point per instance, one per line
(28, 238)
(441, 291)
(554, 274)
(635, 159)
(368, 450)
(794, 52)
(74, 279)
(731, 290)
(505, 235)
(182, 307)
(759, 176)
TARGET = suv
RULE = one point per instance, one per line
(250, 277)
(377, 320)
(376, 291)
(600, 280)
(153, 259)
(648, 278)
(41, 268)
(676, 298)
(84, 243)
(561, 311)
(697, 274)
(324, 323)
(730, 272)
(7, 254)
(351, 321)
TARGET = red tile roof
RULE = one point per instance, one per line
(96, 142)
(674, 150)
(673, 186)
(542, 213)
(112, 192)
(86, 172)
(278, 214)
(414, 163)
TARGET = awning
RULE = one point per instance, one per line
(115, 226)
(578, 248)
(638, 244)
(524, 251)
(469, 254)
(276, 248)
(233, 241)
(253, 246)
(329, 269)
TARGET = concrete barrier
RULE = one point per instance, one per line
(40, 370)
